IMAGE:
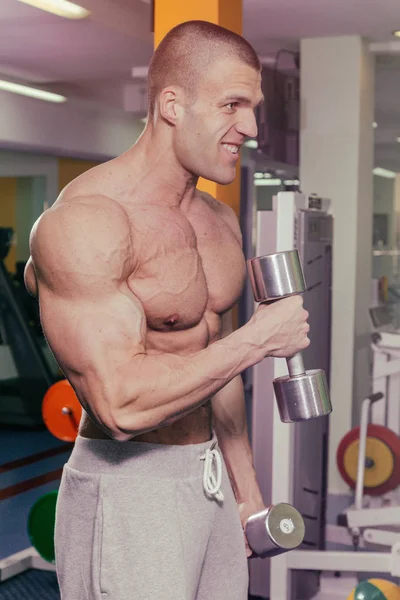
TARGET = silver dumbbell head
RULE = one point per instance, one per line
(302, 397)
(275, 530)
(276, 275)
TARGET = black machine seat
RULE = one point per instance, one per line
(9, 387)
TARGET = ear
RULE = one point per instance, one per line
(170, 104)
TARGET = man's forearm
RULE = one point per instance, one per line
(161, 388)
(230, 425)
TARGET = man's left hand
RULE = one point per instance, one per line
(246, 509)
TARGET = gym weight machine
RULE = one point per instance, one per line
(27, 368)
(368, 459)
(296, 221)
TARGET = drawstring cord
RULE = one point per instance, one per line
(212, 482)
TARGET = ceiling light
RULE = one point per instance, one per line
(396, 33)
(374, 124)
(398, 140)
(384, 173)
(251, 144)
(259, 182)
(62, 8)
(24, 90)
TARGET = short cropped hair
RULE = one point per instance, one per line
(187, 49)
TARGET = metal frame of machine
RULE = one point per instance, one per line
(273, 442)
(386, 377)
(281, 228)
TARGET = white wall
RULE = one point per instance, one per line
(34, 133)
(26, 164)
(336, 161)
(75, 128)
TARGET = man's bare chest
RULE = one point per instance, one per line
(186, 265)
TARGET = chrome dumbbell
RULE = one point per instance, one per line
(275, 530)
(301, 395)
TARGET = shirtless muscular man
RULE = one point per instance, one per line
(136, 272)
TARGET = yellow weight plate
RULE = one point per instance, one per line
(382, 457)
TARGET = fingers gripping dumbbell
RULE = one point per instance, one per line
(302, 394)
(275, 530)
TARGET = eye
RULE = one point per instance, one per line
(232, 105)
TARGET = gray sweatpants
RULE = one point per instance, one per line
(140, 521)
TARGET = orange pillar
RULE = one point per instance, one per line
(227, 13)
(8, 198)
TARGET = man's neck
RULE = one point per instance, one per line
(160, 177)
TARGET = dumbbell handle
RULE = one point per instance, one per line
(295, 365)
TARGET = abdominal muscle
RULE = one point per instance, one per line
(193, 428)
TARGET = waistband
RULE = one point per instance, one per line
(140, 458)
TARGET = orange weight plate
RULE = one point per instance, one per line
(382, 461)
(62, 411)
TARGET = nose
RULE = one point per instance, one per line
(247, 126)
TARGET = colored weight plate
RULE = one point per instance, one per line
(379, 453)
(62, 411)
(383, 450)
(41, 522)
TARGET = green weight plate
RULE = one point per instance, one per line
(41, 522)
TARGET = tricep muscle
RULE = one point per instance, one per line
(93, 323)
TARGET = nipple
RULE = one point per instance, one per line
(172, 320)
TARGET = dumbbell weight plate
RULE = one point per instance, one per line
(62, 411)
(41, 523)
(275, 276)
(302, 397)
(277, 529)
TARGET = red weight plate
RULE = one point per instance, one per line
(62, 411)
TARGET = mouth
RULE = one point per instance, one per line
(232, 150)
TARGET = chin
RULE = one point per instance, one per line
(226, 180)
(221, 178)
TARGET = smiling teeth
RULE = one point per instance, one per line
(233, 149)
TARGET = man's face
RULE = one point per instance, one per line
(218, 121)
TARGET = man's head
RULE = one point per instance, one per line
(204, 83)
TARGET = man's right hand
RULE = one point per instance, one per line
(281, 328)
